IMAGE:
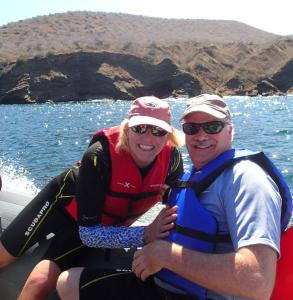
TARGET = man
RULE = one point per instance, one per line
(246, 204)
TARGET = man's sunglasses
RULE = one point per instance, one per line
(212, 127)
(141, 129)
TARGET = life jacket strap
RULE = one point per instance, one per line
(214, 238)
(199, 187)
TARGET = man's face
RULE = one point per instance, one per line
(203, 147)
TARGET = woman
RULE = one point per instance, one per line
(123, 173)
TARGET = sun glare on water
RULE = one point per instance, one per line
(16, 180)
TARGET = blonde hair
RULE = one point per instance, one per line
(175, 138)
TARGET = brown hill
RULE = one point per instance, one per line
(228, 57)
(75, 31)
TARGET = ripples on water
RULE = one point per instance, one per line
(40, 141)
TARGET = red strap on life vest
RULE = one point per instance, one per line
(284, 280)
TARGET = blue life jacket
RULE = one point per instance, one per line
(196, 227)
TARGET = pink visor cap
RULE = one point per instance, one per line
(150, 110)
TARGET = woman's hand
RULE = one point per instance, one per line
(161, 226)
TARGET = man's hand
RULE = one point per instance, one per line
(150, 259)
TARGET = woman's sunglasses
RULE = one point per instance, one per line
(141, 129)
(212, 127)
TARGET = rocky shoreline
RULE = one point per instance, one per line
(84, 76)
(105, 75)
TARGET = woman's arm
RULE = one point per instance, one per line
(93, 180)
(100, 236)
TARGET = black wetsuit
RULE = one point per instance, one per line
(46, 214)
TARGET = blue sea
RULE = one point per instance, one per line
(40, 141)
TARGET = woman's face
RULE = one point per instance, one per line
(144, 147)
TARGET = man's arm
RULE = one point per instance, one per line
(248, 272)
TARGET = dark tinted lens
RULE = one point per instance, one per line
(213, 127)
(140, 129)
(190, 128)
(157, 131)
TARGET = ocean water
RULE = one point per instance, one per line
(40, 141)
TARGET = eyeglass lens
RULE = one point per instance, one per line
(156, 131)
(212, 127)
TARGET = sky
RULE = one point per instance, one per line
(271, 16)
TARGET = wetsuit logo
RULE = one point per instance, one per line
(126, 184)
(37, 219)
